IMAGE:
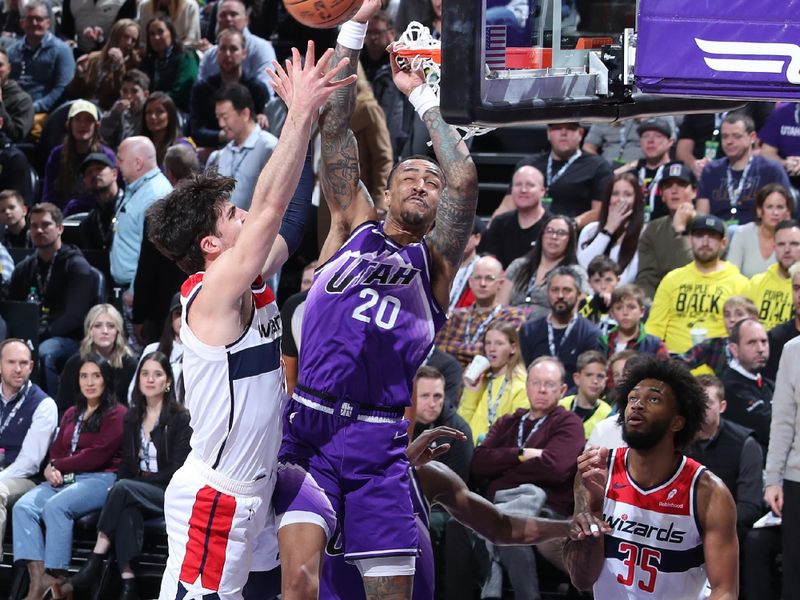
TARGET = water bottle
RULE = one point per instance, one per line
(2, 458)
(33, 296)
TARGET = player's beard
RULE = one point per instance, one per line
(647, 439)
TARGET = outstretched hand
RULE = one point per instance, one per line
(367, 11)
(585, 525)
(593, 470)
(306, 84)
(406, 80)
(424, 448)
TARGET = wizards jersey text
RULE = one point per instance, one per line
(655, 549)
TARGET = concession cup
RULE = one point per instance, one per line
(478, 366)
(698, 334)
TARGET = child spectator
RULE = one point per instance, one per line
(13, 219)
(590, 380)
(713, 353)
(603, 278)
(628, 310)
(125, 117)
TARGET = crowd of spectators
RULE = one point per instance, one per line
(674, 237)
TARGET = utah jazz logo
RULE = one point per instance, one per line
(360, 270)
(753, 65)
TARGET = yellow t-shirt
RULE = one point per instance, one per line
(603, 410)
(773, 296)
(687, 298)
(474, 407)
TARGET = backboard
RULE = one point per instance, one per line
(515, 61)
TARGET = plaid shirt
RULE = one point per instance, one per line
(452, 338)
(712, 352)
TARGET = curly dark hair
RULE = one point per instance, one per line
(178, 222)
(689, 394)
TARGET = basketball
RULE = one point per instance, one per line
(322, 14)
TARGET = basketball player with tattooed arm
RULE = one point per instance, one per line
(378, 298)
(219, 501)
(673, 523)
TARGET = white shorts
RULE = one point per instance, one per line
(212, 525)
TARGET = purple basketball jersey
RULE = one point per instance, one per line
(370, 320)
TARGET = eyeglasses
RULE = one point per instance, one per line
(548, 385)
(556, 232)
(36, 18)
(489, 278)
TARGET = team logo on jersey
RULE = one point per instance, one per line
(782, 56)
(645, 530)
(360, 270)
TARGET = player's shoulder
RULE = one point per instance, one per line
(712, 495)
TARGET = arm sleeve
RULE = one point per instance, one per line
(79, 297)
(594, 137)
(203, 135)
(749, 483)
(97, 456)
(64, 71)
(559, 455)
(591, 249)
(179, 448)
(459, 457)
(769, 132)
(736, 252)
(111, 128)
(262, 61)
(497, 454)
(784, 415)
(6, 265)
(660, 311)
(126, 469)
(469, 402)
(294, 220)
(647, 278)
(36, 442)
(181, 88)
(17, 116)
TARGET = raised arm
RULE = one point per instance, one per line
(347, 198)
(459, 200)
(304, 89)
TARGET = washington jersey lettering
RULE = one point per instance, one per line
(654, 549)
(235, 393)
(370, 320)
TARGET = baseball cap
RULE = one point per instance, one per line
(80, 106)
(708, 223)
(655, 124)
(97, 157)
(680, 172)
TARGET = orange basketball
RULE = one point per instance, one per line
(322, 14)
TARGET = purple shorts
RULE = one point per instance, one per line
(351, 473)
(342, 581)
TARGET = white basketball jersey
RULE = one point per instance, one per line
(235, 393)
(654, 549)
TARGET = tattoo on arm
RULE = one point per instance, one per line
(398, 587)
(340, 169)
(456, 211)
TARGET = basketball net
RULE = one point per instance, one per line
(419, 50)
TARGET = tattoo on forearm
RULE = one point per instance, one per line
(398, 587)
(457, 205)
(340, 167)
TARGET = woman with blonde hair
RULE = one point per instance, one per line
(185, 14)
(98, 75)
(501, 389)
(104, 334)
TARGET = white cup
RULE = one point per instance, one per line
(698, 334)
(479, 365)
